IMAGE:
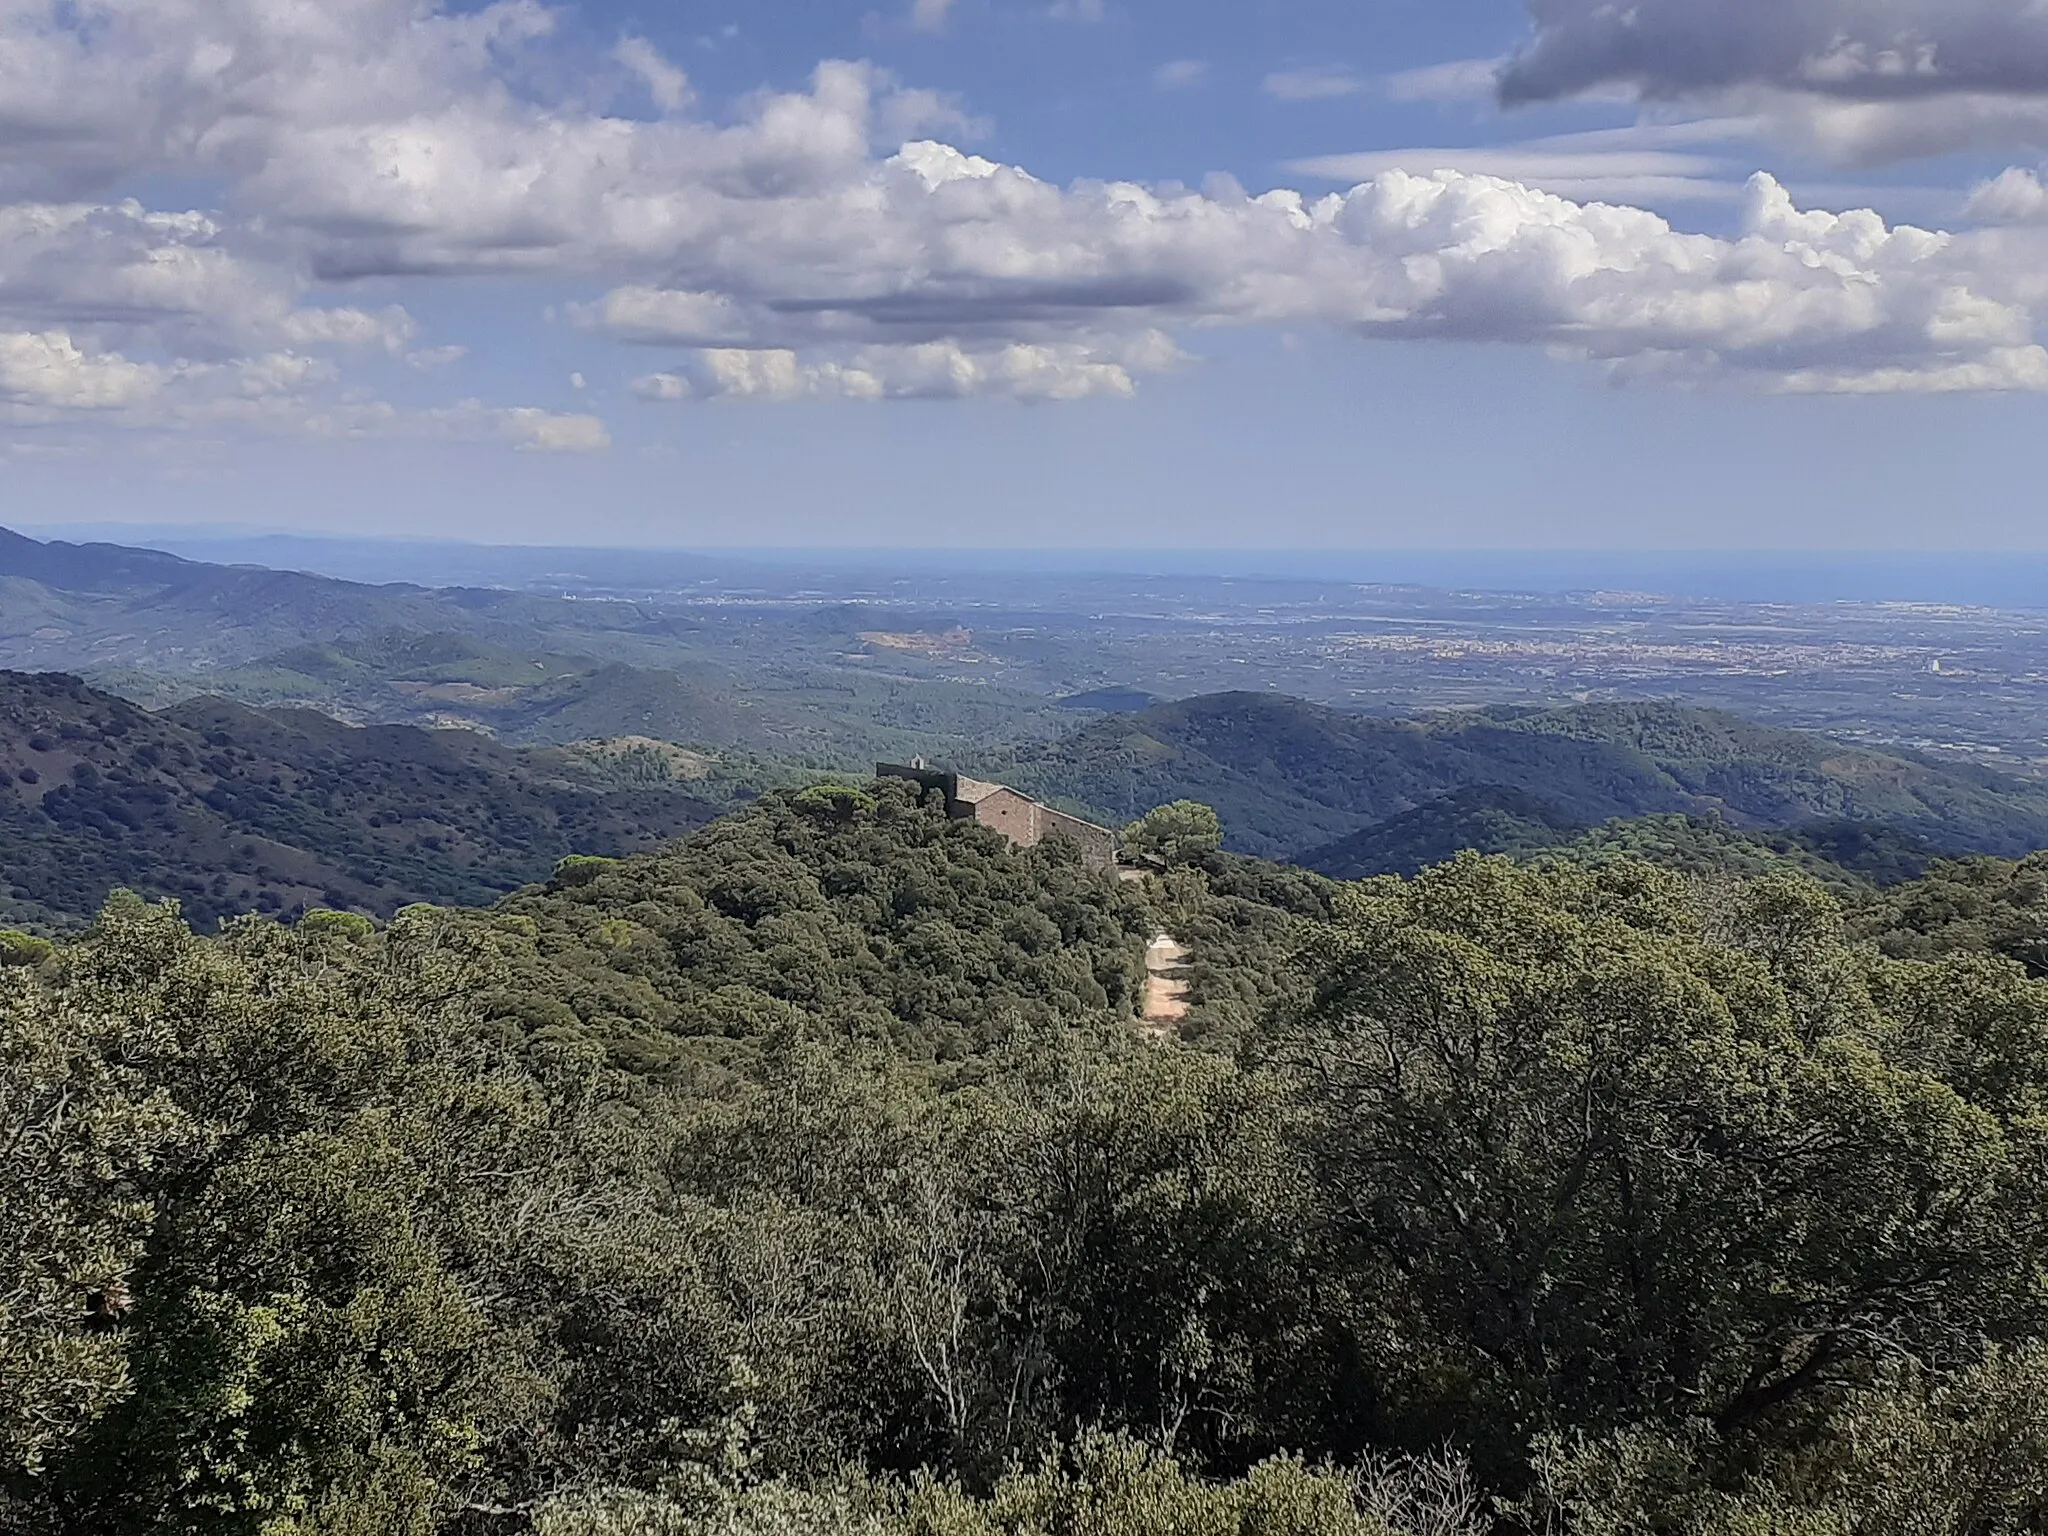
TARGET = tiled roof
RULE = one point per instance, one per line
(974, 791)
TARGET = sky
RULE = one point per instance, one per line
(1013, 273)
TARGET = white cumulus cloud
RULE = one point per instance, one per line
(2014, 196)
(836, 242)
(48, 370)
(554, 432)
(667, 86)
(959, 254)
(940, 370)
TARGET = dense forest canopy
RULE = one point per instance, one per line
(233, 810)
(811, 1176)
(1295, 780)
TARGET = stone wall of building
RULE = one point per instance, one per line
(1098, 844)
(1017, 817)
(1011, 812)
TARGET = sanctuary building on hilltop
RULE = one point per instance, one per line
(1023, 820)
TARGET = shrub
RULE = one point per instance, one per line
(834, 802)
(348, 925)
(581, 869)
(1178, 833)
(17, 948)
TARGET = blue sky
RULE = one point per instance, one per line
(619, 272)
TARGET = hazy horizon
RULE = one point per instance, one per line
(1988, 578)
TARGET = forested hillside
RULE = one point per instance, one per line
(520, 695)
(811, 683)
(686, 691)
(234, 810)
(105, 603)
(1486, 819)
(1291, 778)
(811, 1177)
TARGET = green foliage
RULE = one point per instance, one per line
(728, 777)
(834, 802)
(869, 917)
(17, 948)
(1176, 834)
(1705, 848)
(310, 1335)
(80, 1132)
(230, 810)
(810, 1177)
(1251, 929)
(1295, 779)
(580, 868)
(1482, 819)
(1967, 904)
(775, 1509)
(1845, 856)
(342, 925)
(1108, 1485)
(1511, 1067)
(1910, 1451)
(1119, 1487)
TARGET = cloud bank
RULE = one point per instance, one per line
(1858, 81)
(829, 243)
(1857, 50)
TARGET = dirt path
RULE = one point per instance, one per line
(1166, 987)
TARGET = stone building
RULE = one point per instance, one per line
(1023, 820)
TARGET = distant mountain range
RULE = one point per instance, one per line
(525, 696)
(1850, 855)
(232, 809)
(769, 691)
(796, 681)
(1354, 794)
(78, 605)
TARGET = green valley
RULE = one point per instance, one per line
(1294, 779)
(232, 809)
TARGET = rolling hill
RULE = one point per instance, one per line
(1295, 780)
(529, 697)
(1851, 857)
(807, 682)
(1486, 818)
(550, 697)
(232, 809)
(83, 605)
